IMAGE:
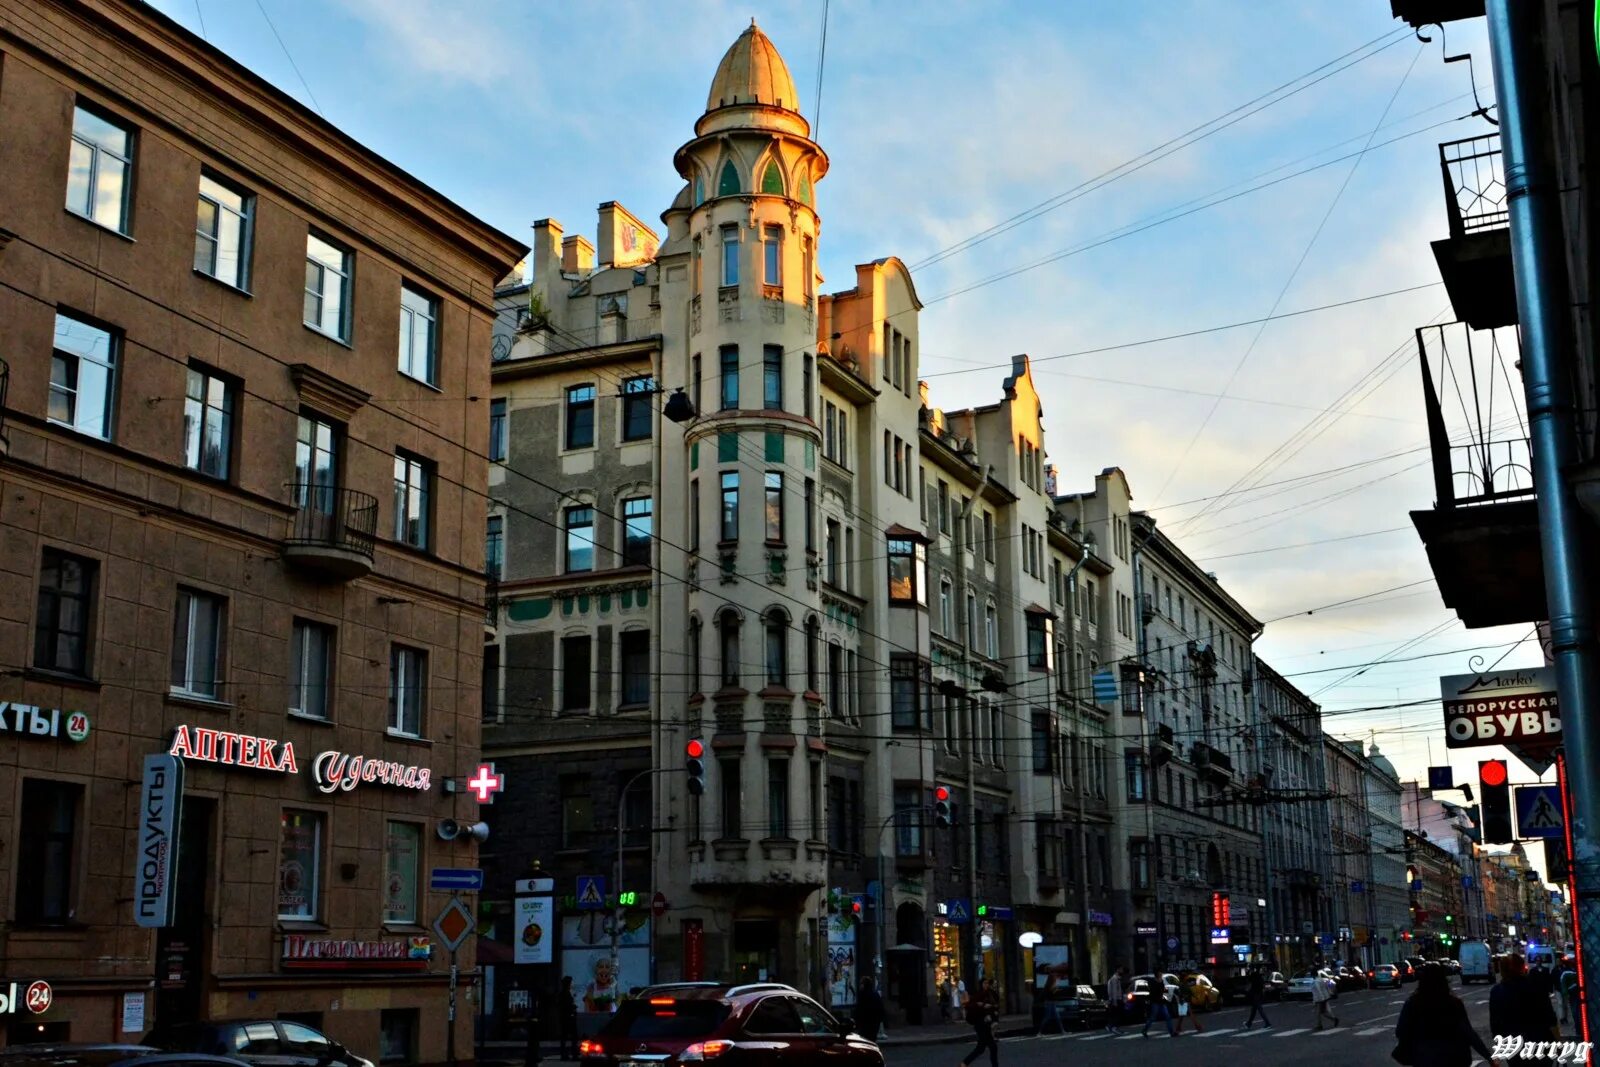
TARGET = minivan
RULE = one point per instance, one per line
(1474, 957)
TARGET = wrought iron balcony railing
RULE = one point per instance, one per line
(333, 529)
(1474, 184)
(1477, 431)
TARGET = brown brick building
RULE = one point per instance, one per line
(242, 520)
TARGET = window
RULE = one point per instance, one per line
(579, 523)
(991, 632)
(732, 797)
(328, 288)
(996, 733)
(637, 412)
(908, 820)
(730, 252)
(772, 254)
(197, 644)
(944, 507)
(222, 232)
(83, 368)
(47, 849)
(728, 180)
(988, 536)
(730, 506)
(580, 416)
(397, 1035)
(208, 422)
(811, 515)
(772, 377)
(491, 682)
(972, 620)
(401, 854)
(728, 624)
(903, 694)
(728, 358)
(408, 689)
(419, 335)
(694, 384)
(813, 638)
(807, 385)
(413, 493)
(947, 608)
(100, 169)
(577, 811)
(694, 515)
(633, 653)
(494, 547)
(300, 865)
(778, 798)
(63, 636)
(777, 657)
(1040, 641)
(1043, 747)
(772, 509)
(908, 563)
(836, 681)
(694, 656)
(575, 673)
(830, 553)
(316, 464)
(808, 273)
(1133, 761)
(497, 430)
(310, 662)
(636, 531)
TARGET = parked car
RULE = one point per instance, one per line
(1417, 963)
(756, 1023)
(259, 1042)
(1385, 976)
(105, 1055)
(1350, 978)
(1302, 984)
(1408, 973)
(1453, 966)
(1138, 994)
(1203, 994)
(1078, 1007)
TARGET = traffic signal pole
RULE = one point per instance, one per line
(1532, 203)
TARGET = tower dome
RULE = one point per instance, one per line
(752, 72)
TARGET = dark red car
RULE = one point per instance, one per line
(763, 1023)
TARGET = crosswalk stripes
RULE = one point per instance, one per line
(1291, 1033)
(1214, 1032)
(1255, 1033)
(1373, 1032)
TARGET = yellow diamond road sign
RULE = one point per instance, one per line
(454, 924)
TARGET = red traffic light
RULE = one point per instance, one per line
(941, 793)
(1492, 772)
(694, 749)
(855, 906)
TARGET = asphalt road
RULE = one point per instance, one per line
(1365, 1036)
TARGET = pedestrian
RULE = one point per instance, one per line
(1187, 1008)
(567, 1011)
(1433, 1029)
(983, 1012)
(1569, 995)
(1322, 988)
(1115, 991)
(1160, 1004)
(1518, 1008)
(1258, 1000)
(958, 999)
(945, 990)
(535, 1054)
(869, 1009)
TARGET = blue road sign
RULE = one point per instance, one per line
(1172, 944)
(1105, 687)
(959, 911)
(591, 892)
(1539, 811)
(1441, 777)
(1466, 881)
(1358, 887)
(1416, 886)
(456, 879)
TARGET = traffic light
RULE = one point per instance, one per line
(983, 909)
(1494, 791)
(857, 909)
(695, 765)
(1449, 918)
(941, 806)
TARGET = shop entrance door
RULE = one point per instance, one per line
(182, 950)
(755, 950)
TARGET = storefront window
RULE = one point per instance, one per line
(300, 865)
(400, 873)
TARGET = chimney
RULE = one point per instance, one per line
(922, 393)
(546, 249)
(577, 255)
(624, 240)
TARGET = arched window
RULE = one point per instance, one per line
(694, 655)
(805, 190)
(772, 180)
(728, 627)
(777, 649)
(699, 190)
(728, 183)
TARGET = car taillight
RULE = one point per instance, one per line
(589, 1048)
(1371, 973)
(704, 1050)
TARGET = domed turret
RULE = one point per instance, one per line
(752, 72)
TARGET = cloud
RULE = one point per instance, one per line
(445, 39)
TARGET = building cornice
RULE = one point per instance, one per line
(576, 358)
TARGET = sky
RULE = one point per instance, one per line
(943, 120)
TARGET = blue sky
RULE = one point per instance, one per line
(943, 119)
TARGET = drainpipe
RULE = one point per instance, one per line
(1531, 200)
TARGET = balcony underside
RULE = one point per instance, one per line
(1476, 268)
(1487, 561)
(1419, 13)
(329, 561)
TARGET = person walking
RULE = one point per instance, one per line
(1116, 989)
(1433, 1029)
(1187, 1008)
(945, 992)
(1517, 1007)
(567, 1011)
(1257, 997)
(1568, 986)
(1322, 997)
(1161, 1004)
(983, 1012)
(869, 1009)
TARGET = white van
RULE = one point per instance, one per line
(1474, 959)
(1544, 954)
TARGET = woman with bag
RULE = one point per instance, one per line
(1322, 990)
(1433, 1029)
(1186, 1007)
(983, 1012)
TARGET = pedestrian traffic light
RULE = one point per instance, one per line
(941, 806)
(1494, 802)
(857, 908)
(695, 765)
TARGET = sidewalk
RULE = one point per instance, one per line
(953, 1033)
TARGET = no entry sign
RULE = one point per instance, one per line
(1516, 707)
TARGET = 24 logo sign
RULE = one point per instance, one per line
(40, 997)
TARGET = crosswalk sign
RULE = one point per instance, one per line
(1539, 811)
(591, 892)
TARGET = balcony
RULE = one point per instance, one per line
(1420, 13)
(1482, 534)
(331, 534)
(1475, 260)
(1213, 763)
